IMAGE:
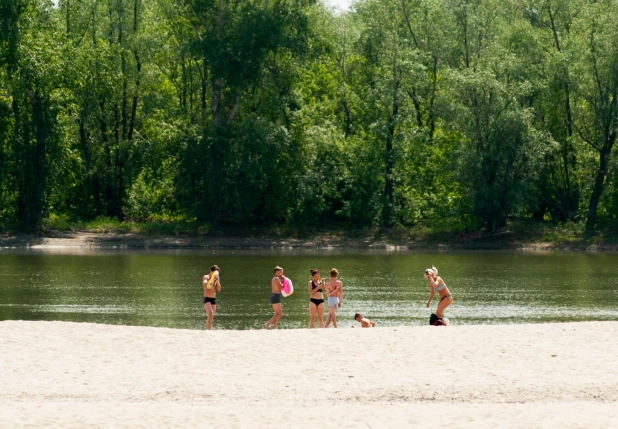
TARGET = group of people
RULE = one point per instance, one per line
(316, 287)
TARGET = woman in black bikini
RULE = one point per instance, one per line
(316, 303)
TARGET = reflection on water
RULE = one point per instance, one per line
(163, 288)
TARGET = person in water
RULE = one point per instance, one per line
(210, 293)
(365, 323)
(276, 286)
(316, 300)
(334, 290)
(437, 285)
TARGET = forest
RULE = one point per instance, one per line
(460, 115)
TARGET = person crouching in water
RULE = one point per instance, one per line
(276, 285)
(365, 323)
(437, 285)
(212, 284)
(334, 290)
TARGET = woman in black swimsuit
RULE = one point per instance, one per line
(316, 303)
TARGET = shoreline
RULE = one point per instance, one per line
(64, 374)
(127, 241)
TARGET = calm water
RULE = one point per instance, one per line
(164, 288)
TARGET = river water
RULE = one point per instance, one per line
(163, 288)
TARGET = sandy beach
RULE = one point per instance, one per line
(58, 374)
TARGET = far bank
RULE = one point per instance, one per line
(391, 240)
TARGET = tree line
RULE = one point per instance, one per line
(462, 114)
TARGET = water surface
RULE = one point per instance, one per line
(163, 288)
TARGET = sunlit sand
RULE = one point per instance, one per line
(499, 376)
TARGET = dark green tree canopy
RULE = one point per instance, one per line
(454, 115)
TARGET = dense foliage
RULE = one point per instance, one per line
(452, 114)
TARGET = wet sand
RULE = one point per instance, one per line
(80, 241)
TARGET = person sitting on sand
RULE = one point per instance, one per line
(316, 300)
(276, 286)
(334, 290)
(437, 285)
(210, 293)
(434, 320)
(365, 323)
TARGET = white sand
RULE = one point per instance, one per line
(55, 374)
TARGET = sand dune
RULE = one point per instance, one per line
(57, 374)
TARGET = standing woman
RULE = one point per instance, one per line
(211, 284)
(437, 285)
(316, 301)
(334, 290)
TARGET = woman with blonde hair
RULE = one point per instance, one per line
(437, 285)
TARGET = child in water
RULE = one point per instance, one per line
(334, 290)
(365, 323)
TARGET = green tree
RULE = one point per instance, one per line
(28, 131)
(501, 148)
(559, 183)
(595, 83)
(243, 44)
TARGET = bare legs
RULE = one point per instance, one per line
(313, 312)
(316, 311)
(332, 317)
(442, 306)
(210, 311)
(275, 319)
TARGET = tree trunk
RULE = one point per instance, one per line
(203, 91)
(597, 190)
(432, 98)
(39, 160)
(20, 135)
(388, 172)
(183, 86)
(191, 111)
(138, 71)
(135, 97)
(68, 23)
(107, 176)
(123, 71)
(570, 200)
(216, 101)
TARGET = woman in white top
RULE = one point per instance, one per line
(437, 285)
